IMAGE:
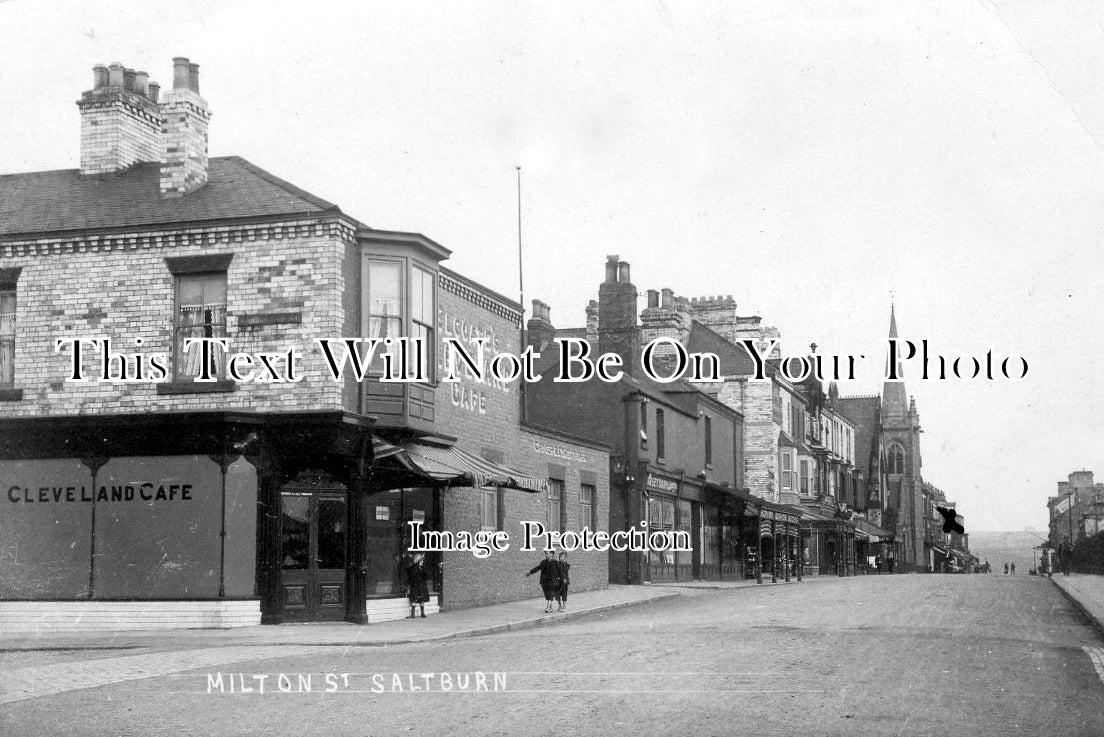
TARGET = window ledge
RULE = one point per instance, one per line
(197, 387)
(11, 395)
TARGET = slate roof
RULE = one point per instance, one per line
(59, 201)
(734, 359)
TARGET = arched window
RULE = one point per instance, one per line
(896, 459)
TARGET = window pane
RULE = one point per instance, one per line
(421, 295)
(331, 533)
(555, 504)
(7, 362)
(191, 290)
(489, 503)
(586, 497)
(425, 335)
(201, 313)
(383, 288)
(295, 530)
(428, 284)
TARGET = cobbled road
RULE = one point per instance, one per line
(880, 655)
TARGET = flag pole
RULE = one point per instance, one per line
(521, 297)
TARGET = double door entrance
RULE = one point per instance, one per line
(313, 532)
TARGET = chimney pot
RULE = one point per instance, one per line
(128, 80)
(115, 75)
(653, 298)
(154, 91)
(193, 78)
(99, 77)
(611, 267)
(668, 297)
(181, 73)
(141, 83)
(623, 272)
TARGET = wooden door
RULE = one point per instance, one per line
(313, 548)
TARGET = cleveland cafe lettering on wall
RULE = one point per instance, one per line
(145, 492)
(470, 392)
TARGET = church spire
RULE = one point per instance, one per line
(895, 403)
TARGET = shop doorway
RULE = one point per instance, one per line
(313, 536)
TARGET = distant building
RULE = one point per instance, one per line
(1077, 510)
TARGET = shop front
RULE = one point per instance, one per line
(180, 520)
(679, 505)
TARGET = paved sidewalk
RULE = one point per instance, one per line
(1087, 592)
(446, 625)
(742, 584)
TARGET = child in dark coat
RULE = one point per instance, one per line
(416, 581)
(565, 580)
(550, 579)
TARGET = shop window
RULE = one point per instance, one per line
(7, 336)
(660, 439)
(556, 510)
(587, 516)
(708, 440)
(489, 505)
(200, 313)
(896, 459)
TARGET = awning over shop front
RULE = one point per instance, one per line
(941, 551)
(441, 464)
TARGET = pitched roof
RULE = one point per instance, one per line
(64, 200)
(734, 359)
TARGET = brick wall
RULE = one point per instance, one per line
(756, 400)
(119, 286)
(501, 577)
(484, 417)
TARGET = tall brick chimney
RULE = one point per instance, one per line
(617, 329)
(120, 120)
(592, 322)
(183, 152)
(539, 329)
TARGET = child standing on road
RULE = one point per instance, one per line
(565, 580)
(549, 578)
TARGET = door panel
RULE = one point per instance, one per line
(313, 544)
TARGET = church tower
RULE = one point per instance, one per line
(901, 442)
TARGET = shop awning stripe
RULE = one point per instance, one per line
(456, 467)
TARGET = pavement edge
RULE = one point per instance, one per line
(1096, 618)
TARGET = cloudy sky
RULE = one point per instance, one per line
(810, 159)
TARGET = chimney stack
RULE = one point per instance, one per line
(184, 137)
(540, 330)
(617, 329)
(120, 123)
(592, 322)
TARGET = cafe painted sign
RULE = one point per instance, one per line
(143, 492)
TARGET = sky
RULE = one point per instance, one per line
(814, 160)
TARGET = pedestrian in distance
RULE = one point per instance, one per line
(417, 586)
(565, 580)
(549, 570)
(1013, 569)
(1006, 569)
